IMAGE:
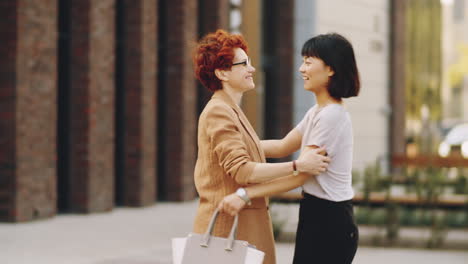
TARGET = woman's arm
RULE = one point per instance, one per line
(232, 203)
(309, 162)
(286, 183)
(232, 152)
(279, 148)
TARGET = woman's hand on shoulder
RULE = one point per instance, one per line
(231, 204)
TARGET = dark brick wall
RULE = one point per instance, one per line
(79, 105)
(149, 85)
(8, 51)
(178, 99)
(278, 44)
(36, 109)
(28, 102)
(213, 15)
(92, 105)
(138, 75)
(159, 104)
(101, 117)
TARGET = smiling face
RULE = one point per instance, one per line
(315, 74)
(240, 76)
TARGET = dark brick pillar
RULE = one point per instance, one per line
(91, 105)
(136, 87)
(397, 80)
(27, 109)
(177, 99)
(8, 50)
(279, 67)
(213, 15)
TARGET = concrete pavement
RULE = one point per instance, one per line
(142, 236)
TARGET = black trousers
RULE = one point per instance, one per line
(326, 233)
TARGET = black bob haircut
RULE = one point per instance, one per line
(337, 53)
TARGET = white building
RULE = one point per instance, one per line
(455, 36)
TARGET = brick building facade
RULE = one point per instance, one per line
(28, 113)
(99, 105)
(98, 102)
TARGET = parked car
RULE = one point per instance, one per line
(455, 142)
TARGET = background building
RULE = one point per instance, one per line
(99, 105)
(455, 60)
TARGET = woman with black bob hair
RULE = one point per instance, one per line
(336, 52)
(326, 231)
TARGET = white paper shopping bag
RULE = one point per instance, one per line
(207, 249)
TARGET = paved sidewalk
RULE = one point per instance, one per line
(142, 236)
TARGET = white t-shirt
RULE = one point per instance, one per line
(330, 127)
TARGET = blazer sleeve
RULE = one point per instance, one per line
(227, 144)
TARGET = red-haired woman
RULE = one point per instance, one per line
(229, 153)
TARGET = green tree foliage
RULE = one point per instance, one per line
(423, 58)
(457, 71)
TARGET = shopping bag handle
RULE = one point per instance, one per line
(232, 234)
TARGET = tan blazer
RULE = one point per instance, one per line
(228, 148)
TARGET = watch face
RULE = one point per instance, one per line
(242, 193)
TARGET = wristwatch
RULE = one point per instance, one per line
(242, 193)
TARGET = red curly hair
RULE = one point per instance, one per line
(215, 51)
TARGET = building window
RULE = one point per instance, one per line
(235, 16)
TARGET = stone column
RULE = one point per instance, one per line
(91, 89)
(28, 73)
(397, 79)
(136, 88)
(177, 99)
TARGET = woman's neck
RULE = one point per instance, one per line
(324, 98)
(235, 95)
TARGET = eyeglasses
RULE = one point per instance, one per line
(245, 63)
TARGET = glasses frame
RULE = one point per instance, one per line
(245, 63)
